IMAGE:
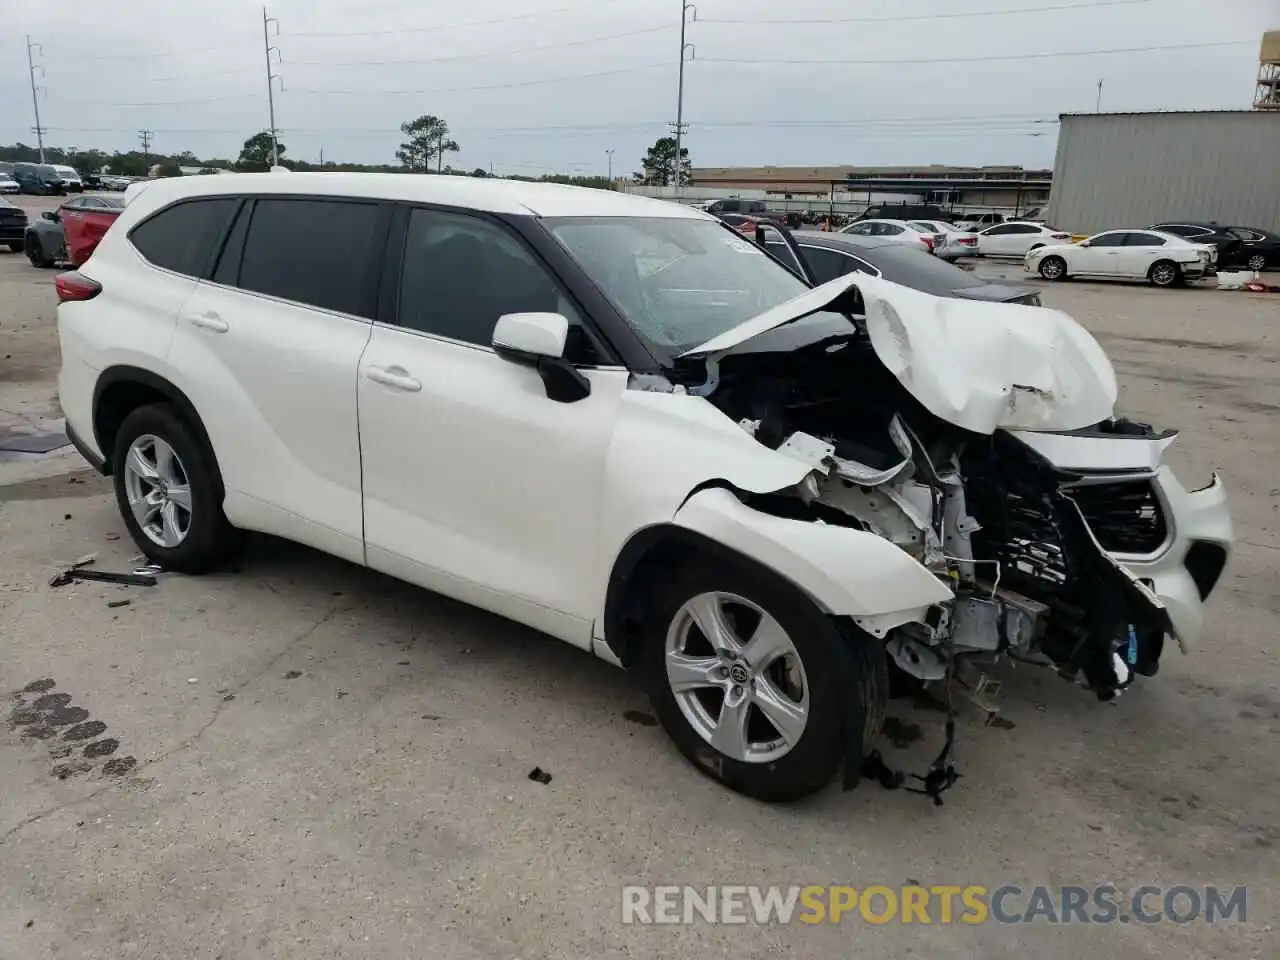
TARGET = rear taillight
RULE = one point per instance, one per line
(967, 241)
(74, 285)
(927, 241)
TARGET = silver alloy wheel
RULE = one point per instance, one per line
(1163, 274)
(737, 677)
(159, 492)
(1257, 262)
(1052, 268)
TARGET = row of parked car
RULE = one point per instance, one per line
(68, 234)
(54, 179)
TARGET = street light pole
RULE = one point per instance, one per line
(609, 154)
(271, 78)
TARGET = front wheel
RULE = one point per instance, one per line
(1257, 262)
(1053, 268)
(1163, 273)
(751, 680)
(35, 253)
(169, 491)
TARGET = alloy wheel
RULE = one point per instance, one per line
(1164, 274)
(737, 677)
(158, 490)
(1257, 262)
(1051, 269)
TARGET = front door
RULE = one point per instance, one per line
(476, 484)
(1102, 256)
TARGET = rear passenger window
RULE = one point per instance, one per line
(181, 238)
(826, 264)
(461, 273)
(311, 251)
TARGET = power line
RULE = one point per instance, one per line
(487, 55)
(933, 16)
(454, 26)
(492, 86)
(753, 61)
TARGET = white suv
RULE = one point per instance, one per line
(617, 421)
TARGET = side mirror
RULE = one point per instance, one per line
(49, 215)
(538, 340)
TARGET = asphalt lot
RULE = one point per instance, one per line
(328, 763)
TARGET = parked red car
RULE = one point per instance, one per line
(73, 231)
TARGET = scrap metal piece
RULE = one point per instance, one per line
(62, 578)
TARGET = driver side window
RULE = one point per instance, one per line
(461, 273)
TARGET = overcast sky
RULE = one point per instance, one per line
(531, 86)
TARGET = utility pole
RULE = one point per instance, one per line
(322, 158)
(145, 136)
(35, 100)
(271, 78)
(685, 7)
(1097, 107)
(609, 153)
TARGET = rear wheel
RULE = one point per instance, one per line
(1164, 273)
(746, 675)
(169, 491)
(1256, 262)
(1053, 268)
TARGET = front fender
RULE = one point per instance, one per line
(847, 572)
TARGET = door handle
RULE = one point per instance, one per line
(208, 321)
(395, 377)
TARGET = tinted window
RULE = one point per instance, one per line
(181, 238)
(998, 231)
(1247, 235)
(311, 251)
(1184, 230)
(887, 230)
(1108, 240)
(1145, 240)
(462, 273)
(919, 269)
(826, 264)
(1020, 228)
(780, 250)
(861, 229)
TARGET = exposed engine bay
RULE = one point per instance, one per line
(1023, 544)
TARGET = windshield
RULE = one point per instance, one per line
(679, 282)
(65, 172)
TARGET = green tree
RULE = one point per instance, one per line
(169, 169)
(256, 153)
(479, 172)
(428, 139)
(659, 164)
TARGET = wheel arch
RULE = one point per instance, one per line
(640, 566)
(120, 390)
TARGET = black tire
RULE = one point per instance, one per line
(1164, 273)
(816, 757)
(1053, 268)
(35, 253)
(211, 539)
(15, 246)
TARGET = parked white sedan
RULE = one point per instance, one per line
(1162, 258)
(1015, 239)
(956, 243)
(899, 230)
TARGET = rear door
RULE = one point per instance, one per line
(268, 347)
(1138, 253)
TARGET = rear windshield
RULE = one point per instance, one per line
(919, 269)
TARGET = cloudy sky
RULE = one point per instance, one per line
(532, 86)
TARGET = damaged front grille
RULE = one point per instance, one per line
(1124, 516)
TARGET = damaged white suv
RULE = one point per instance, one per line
(617, 421)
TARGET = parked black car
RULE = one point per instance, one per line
(1246, 248)
(906, 211)
(830, 255)
(13, 225)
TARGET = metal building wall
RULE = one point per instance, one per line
(1135, 169)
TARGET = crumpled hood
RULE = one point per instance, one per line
(981, 366)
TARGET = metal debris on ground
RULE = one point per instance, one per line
(112, 604)
(538, 775)
(73, 574)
